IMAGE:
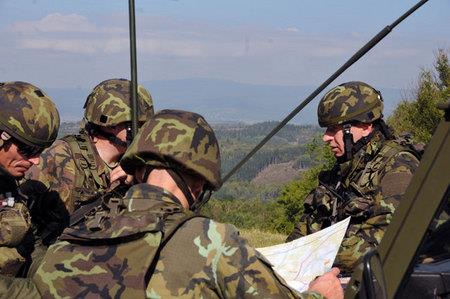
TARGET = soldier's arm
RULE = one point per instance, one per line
(247, 274)
(18, 288)
(372, 214)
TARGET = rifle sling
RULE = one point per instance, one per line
(80, 213)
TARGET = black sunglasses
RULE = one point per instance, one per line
(28, 151)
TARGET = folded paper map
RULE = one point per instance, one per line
(302, 260)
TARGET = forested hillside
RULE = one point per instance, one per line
(278, 162)
(236, 140)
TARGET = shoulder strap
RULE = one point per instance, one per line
(85, 161)
(99, 198)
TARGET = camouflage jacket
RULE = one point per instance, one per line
(124, 250)
(368, 188)
(73, 169)
(15, 223)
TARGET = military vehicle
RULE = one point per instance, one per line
(394, 269)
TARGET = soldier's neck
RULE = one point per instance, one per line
(161, 178)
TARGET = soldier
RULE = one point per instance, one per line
(77, 167)
(29, 122)
(370, 176)
(151, 244)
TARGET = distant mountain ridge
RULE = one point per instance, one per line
(218, 100)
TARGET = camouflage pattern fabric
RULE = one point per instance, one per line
(28, 114)
(179, 138)
(371, 186)
(15, 223)
(112, 255)
(11, 287)
(351, 101)
(58, 170)
(109, 103)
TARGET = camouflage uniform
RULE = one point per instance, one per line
(30, 118)
(148, 245)
(15, 223)
(72, 166)
(368, 187)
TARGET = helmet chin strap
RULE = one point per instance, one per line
(350, 146)
(109, 136)
(113, 139)
(348, 142)
(201, 200)
(194, 204)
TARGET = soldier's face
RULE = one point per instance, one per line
(14, 162)
(334, 136)
(120, 132)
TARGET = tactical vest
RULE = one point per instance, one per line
(117, 258)
(87, 180)
(366, 182)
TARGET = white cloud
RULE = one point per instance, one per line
(180, 48)
(163, 37)
(55, 23)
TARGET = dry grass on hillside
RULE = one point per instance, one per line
(259, 238)
(279, 173)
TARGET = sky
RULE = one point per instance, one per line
(67, 44)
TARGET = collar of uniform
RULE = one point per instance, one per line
(365, 154)
(375, 144)
(147, 192)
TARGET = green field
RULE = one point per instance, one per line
(258, 238)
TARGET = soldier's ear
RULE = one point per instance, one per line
(367, 128)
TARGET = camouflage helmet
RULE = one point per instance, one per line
(178, 139)
(350, 102)
(109, 103)
(28, 114)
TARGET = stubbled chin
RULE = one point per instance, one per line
(337, 153)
